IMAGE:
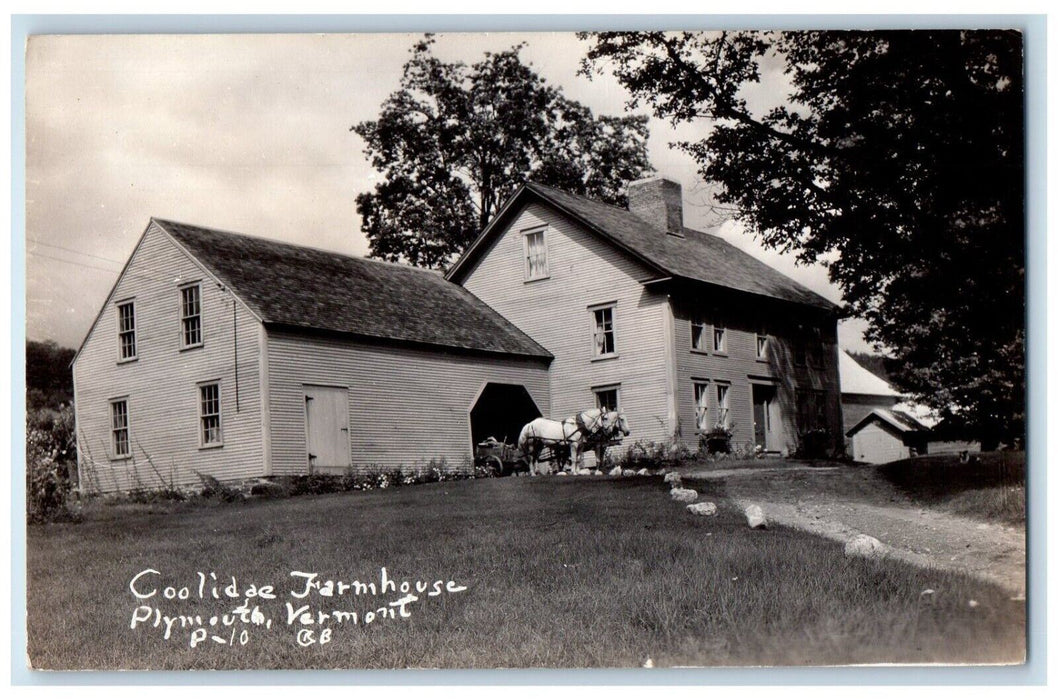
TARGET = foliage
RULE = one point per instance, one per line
(453, 142)
(50, 460)
(896, 159)
(655, 455)
(716, 441)
(214, 488)
(814, 444)
(49, 380)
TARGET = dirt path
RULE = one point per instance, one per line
(922, 536)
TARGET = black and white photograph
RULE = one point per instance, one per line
(507, 350)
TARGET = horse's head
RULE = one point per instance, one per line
(617, 423)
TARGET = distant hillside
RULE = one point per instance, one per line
(874, 363)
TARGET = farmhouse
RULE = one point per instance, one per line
(679, 329)
(240, 357)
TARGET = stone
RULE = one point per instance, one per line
(642, 472)
(616, 471)
(673, 478)
(684, 495)
(583, 472)
(705, 508)
(560, 473)
(596, 472)
(865, 546)
(629, 472)
(755, 517)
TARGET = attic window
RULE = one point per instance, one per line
(191, 316)
(698, 335)
(126, 331)
(535, 256)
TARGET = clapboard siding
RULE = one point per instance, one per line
(583, 271)
(788, 334)
(161, 384)
(877, 443)
(406, 406)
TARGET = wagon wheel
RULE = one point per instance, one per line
(495, 465)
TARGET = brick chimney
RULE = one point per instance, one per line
(658, 201)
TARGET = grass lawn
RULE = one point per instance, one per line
(559, 572)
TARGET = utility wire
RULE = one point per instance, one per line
(71, 250)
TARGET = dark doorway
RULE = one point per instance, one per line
(764, 417)
(500, 412)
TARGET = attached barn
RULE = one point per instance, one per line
(241, 357)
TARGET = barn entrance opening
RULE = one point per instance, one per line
(500, 412)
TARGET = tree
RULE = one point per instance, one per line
(49, 379)
(453, 142)
(896, 159)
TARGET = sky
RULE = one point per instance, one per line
(250, 133)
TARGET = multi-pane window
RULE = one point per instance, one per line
(191, 315)
(607, 398)
(701, 405)
(535, 256)
(126, 331)
(762, 346)
(602, 328)
(722, 391)
(719, 340)
(119, 428)
(209, 413)
(697, 335)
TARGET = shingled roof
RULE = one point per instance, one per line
(311, 289)
(697, 256)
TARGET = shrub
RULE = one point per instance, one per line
(50, 459)
(716, 441)
(213, 488)
(654, 455)
(814, 444)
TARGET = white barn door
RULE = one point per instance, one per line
(327, 427)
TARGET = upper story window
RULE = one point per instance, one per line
(603, 331)
(722, 392)
(701, 405)
(698, 335)
(762, 346)
(191, 316)
(126, 331)
(209, 414)
(719, 340)
(608, 398)
(815, 348)
(119, 428)
(535, 255)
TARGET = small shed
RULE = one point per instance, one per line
(886, 435)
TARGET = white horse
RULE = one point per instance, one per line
(575, 432)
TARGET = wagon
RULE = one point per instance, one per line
(499, 456)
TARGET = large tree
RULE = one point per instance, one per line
(895, 158)
(453, 142)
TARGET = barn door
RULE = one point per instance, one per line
(327, 427)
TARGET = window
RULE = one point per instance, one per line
(701, 405)
(602, 331)
(209, 414)
(815, 348)
(126, 331)
(191, 316)
(719, 340)
(119, 428)
(722, 391)
(762, 346)
(535, 256)
(607, 398)
(697, 335)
